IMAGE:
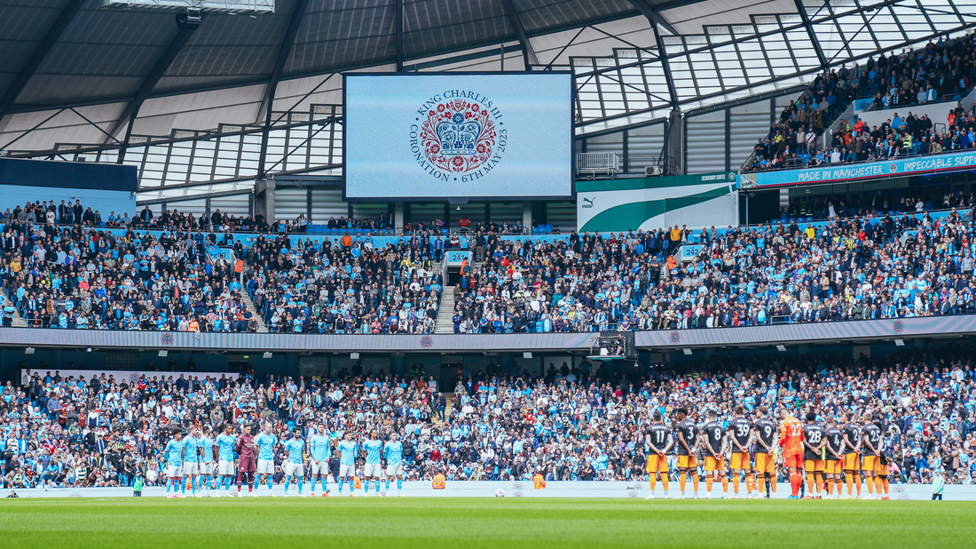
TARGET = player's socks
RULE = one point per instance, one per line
(387, 485)
(400, 485)
(301, 485)
(879, 484)
(708, 485)
(884, 483)
(725, 486)
(182, 485)
(325, 490)
(340, 486)
(682, 481)
(287, 484)
(366, 487)
(830, 486)
(664, 484)
(795, 482)
(812, 483)
(653, 482)
(849, 482)
(770, 482)
(735, 484)
(270, 483)
(857, 483)
(870, 482)
(377, 489)
(694, 482)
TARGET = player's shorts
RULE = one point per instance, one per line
(191, 468)
(852, 462)
(397, 470)
(320, 468)
(765, 463)
(793, 460)
(881, 469)
(714, 464)
(373, 470)
(225, 468)
(265, 466)
(173, 471)
(870, 463)
(294, 469)
(687, 462)
(740, 460)
(246, 465)
(813, 465)
(657, 464)
(833, 467)
(347, 471)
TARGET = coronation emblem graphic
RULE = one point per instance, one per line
(458, 135)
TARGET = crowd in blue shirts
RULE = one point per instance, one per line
(570, 424)
(873, 267)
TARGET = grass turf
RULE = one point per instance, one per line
(455, 522)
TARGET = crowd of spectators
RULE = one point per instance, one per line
(890, 260)
(892, 266)
(570, 424)
(345, 288)
(876, 204)
(85, 278)
(941, 71)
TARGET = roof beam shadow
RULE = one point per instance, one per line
(528, 54)
(653, 16)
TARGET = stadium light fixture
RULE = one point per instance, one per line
(687, 351)
(526, 355)
(267, 355)
(354, 356)
(899, 342)
(29, 351)
(781, 348)
(163, 354)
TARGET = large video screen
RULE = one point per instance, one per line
(458, 135)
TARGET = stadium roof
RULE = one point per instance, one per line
(81, 77)
(104, 53)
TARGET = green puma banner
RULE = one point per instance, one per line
(700, 200)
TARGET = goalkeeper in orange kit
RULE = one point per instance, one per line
(791, 440)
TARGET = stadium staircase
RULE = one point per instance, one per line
(17, 321)
(255, 314)
(262, 327)
(445, 313)
(447, 409)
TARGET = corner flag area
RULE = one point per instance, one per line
(454, 522)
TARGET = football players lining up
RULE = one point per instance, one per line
(189, 460)
(830, 458)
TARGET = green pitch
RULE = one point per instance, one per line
(461, 523)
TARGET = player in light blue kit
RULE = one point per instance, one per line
(225, 457)
(207, 448)
(373, 448)
(393, 452)
(173, 455)
(320, 450)
(191, 461)
(265, 443)
(347, 462)
(294, 465)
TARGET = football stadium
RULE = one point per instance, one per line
(487, 273)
